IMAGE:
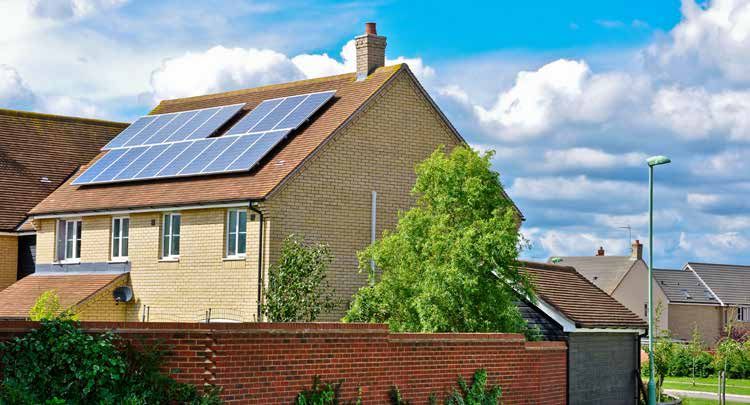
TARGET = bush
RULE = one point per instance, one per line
(476, 394)
(48, 307)
(324, 394)
(683, 360)
(58, 363)
(733, 357)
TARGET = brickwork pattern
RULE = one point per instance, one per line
(271, 363)
(102, 306)
(330, 199)
(8, 260)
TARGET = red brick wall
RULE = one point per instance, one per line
(271, 363)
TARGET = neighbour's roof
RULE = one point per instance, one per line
(604, 271)
(578, 299)
(683, 286)
(350, 98)
(72, 289)
(730, 283)
(38, 152)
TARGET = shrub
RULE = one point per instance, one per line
(476, 394)
(59, 363)
(323, 394)
(297, 286)
(684, 361)
(48, 307)
(733, 357)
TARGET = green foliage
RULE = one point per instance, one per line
(396, 398)
(297, 286)
(476, 394)
(685, 363)
(48, 307)
(60, 364)
(451, 264)
(324, 394)
(733, 357)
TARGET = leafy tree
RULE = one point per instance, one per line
(48, 307)
(297, 286)
(451, 263)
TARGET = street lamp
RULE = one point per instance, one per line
(652, 161)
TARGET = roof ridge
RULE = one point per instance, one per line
(546, 266)
(34, 114)
(264, 88)
(720, 264)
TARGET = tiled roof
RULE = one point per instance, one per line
(683, 286)
(17, 300)
(731, 283)
(351, 97)
(38, 152)
(578, 299)
(604, 271)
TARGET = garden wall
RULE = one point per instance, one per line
(271, 363)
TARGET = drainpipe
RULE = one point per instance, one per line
(260, 259)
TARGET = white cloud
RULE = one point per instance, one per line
(64, 9)
(728, 163)
(14, 92)
(713, 246)
(573, 188)
(702, 200)
(220, 69)
(587, 158)
(715, 38)
(562, 243)
(560, 92)
(695, 113)
(64, 105)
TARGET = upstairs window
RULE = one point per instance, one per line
(171, 236)
(120, 236)
(236, 233)
(69, 241)
(743, 314)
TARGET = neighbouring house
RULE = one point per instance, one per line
(189, 205)
(625, 278)
(709, 296)
(603, 336)
(38, 152)
(691, 305)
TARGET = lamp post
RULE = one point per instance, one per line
(652, 161)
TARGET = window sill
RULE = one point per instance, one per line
(235, 259)
(125, 260)
(169, 259)
(75, 261)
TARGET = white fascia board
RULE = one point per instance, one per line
(687, 266)
(141, 210)
(567, 324)
(610, 330)
(27, 233)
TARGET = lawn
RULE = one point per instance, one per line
(710, 384)
(696, 401)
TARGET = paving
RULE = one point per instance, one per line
(745, 399)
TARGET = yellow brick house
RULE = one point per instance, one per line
(197, 247)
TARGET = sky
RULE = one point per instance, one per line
(571, 96)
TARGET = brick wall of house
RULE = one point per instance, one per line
(330, 199)
(272, 363)
(8, 260)
(102, 307)
(181, 290)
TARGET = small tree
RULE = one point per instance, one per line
(695, 348)
(451, 264)
(48, 307)
(297, 286)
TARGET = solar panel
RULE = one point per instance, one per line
(172, 127)
(185, 158)
(281, 113)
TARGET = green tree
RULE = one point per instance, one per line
(451, 263)
(297, 286)
(48, 307)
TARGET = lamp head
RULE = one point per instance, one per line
(658, 160)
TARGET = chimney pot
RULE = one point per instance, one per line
(637, 250)
(370, 51)
(600, 252)
(370, 28)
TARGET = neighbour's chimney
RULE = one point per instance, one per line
(600, 252)
(637, 250)
(370, 51)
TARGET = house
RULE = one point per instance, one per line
(191, 219)
(691, 305)
(624, 278)
(38, 152)
(603, 336)
(711, 297)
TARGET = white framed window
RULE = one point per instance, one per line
(743, 314)
(120, 238)
(236, 233)
(69, 240)
(170, 243)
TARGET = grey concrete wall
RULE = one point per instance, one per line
(602, 368)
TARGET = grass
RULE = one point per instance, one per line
(710, 384)
(696, 401)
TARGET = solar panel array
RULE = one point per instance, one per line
(173, 127)
(177, 144)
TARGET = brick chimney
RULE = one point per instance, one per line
(600, 252)
(370, 51)
(636, 250)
